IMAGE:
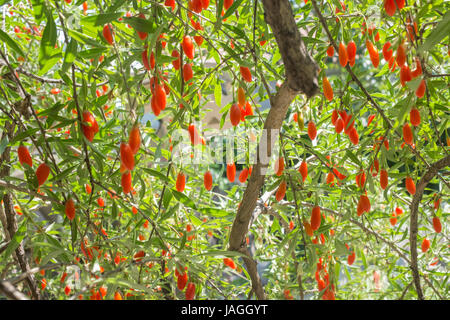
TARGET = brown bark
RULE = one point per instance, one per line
(413, 222)
(10, 292)
(301, 70)
(301, 76)
(10, 215)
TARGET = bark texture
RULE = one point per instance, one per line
(301, 76)
(413, 222)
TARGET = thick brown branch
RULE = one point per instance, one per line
(11, 292)
(301, 76)
(413, 225)
(301, 69)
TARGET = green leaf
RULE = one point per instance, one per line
(188, 202)
(38, 10)
(140, 24)
(156, 174)
(224, 253)
(102, 18)
(3, 144)
(353, 158)
(21, 136)
(341, 249)
(11, 43)
(70, 55)
(48, 41)
(214, 212)
(231, 9)
(218, 93)
(439, 33)
(49, 63)
(16, 240)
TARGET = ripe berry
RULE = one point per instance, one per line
(353, 136)
(188, 74)
(420, 91)
(308, 229)
(312, 131)
(170, 3)
(405, 75)
(389, 6)
(70, 209)
(155, 108)
(181, 281)
(410, 185)
(387, 54)
(243, 175)
(108, 33)
(231, 171)
(227, 4)
(24, 156)
(425, 245)
(134, 140)
(407, 134)
(343, 57)
(160, 97)
(383, 179)
(181, 182)
(401, 55)
(339, 125)
(437, 225)
(351, 258)
(145, 60)
(235, 114)
(117, 296)
(393, 219)
(330, 51)
(360, 179)
(246, 74)
(334, 117)
(89, 125)
(205, 4)
(190, 291)
(281, 191)
(279, 166)
(207, 180)
(229, 262)
(327, 89)
(363, 205)
(126, 156)
(315, 218)
(188, 47)
(303, 169)
(351, 51)
(126, 182)
(414, 117)
(330, 178)
(193, 135)
(241, 97)
(176, 62)
(142, 35)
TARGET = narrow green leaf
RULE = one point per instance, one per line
(102, 18)
(439, 33)
(16, 240)
(70, 55)
(11, 43)
(231, 9)
(188, 202)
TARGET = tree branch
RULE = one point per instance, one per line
(301, 76)
(413, 225)
(11, 292)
